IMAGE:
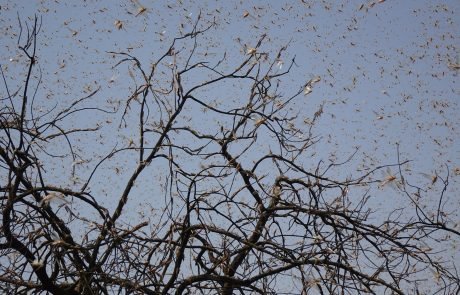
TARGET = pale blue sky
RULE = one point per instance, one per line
(384, 69)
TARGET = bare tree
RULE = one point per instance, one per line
(243, 207)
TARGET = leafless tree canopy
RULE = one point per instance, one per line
(241, 206)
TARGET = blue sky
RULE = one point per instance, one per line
(384, 68)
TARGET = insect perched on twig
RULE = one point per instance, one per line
(53, 197)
